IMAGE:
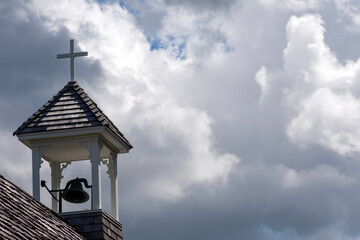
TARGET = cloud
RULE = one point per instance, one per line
(320, 91)
(261, 79)
(350, 13)
(143, 102)
(242, 116)
(295, 5)
(328, 119)
(202, 4)
(9, 155)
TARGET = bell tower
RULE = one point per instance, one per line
(71, 127)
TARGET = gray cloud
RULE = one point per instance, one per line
(279, 190)
(29, 66)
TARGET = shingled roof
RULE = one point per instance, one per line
(23, 217)
(70, 108)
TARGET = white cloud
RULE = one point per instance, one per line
(135, 93)
(296, 5)
(186, 116)
(320, 92)
(350, 10)
(261, 79)
(322, 174)
(328, 119)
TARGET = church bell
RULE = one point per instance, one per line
(74, 192)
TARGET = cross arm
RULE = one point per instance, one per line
(80, 54)
(66, 55)
(70, 55)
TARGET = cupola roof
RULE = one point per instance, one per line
(70, 108)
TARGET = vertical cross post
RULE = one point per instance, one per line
(72, 56)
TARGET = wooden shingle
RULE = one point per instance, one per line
(70, 108)
(23, 217)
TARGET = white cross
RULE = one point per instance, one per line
(72, 56)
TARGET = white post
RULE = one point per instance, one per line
(95, 149)
(55, 183)
(114, 187)
(36, 161)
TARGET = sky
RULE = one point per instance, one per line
(244, 114)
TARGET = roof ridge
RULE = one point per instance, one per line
(110, 124)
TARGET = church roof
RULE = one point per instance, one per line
(23, 217)
(71, 108)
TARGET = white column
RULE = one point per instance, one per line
(95, 149)
(55, 183)
(36, 161)
(114, 186)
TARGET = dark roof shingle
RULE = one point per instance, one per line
(70, 108)
(23, 217)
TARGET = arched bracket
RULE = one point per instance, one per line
(110, 163)
(110, 166)
(62, 167)
(56, 171)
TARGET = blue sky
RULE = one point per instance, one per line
(244, 115)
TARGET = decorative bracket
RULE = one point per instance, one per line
(109, 162)
(62, 167)
(57, 173)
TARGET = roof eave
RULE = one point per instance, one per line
(121, 145)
